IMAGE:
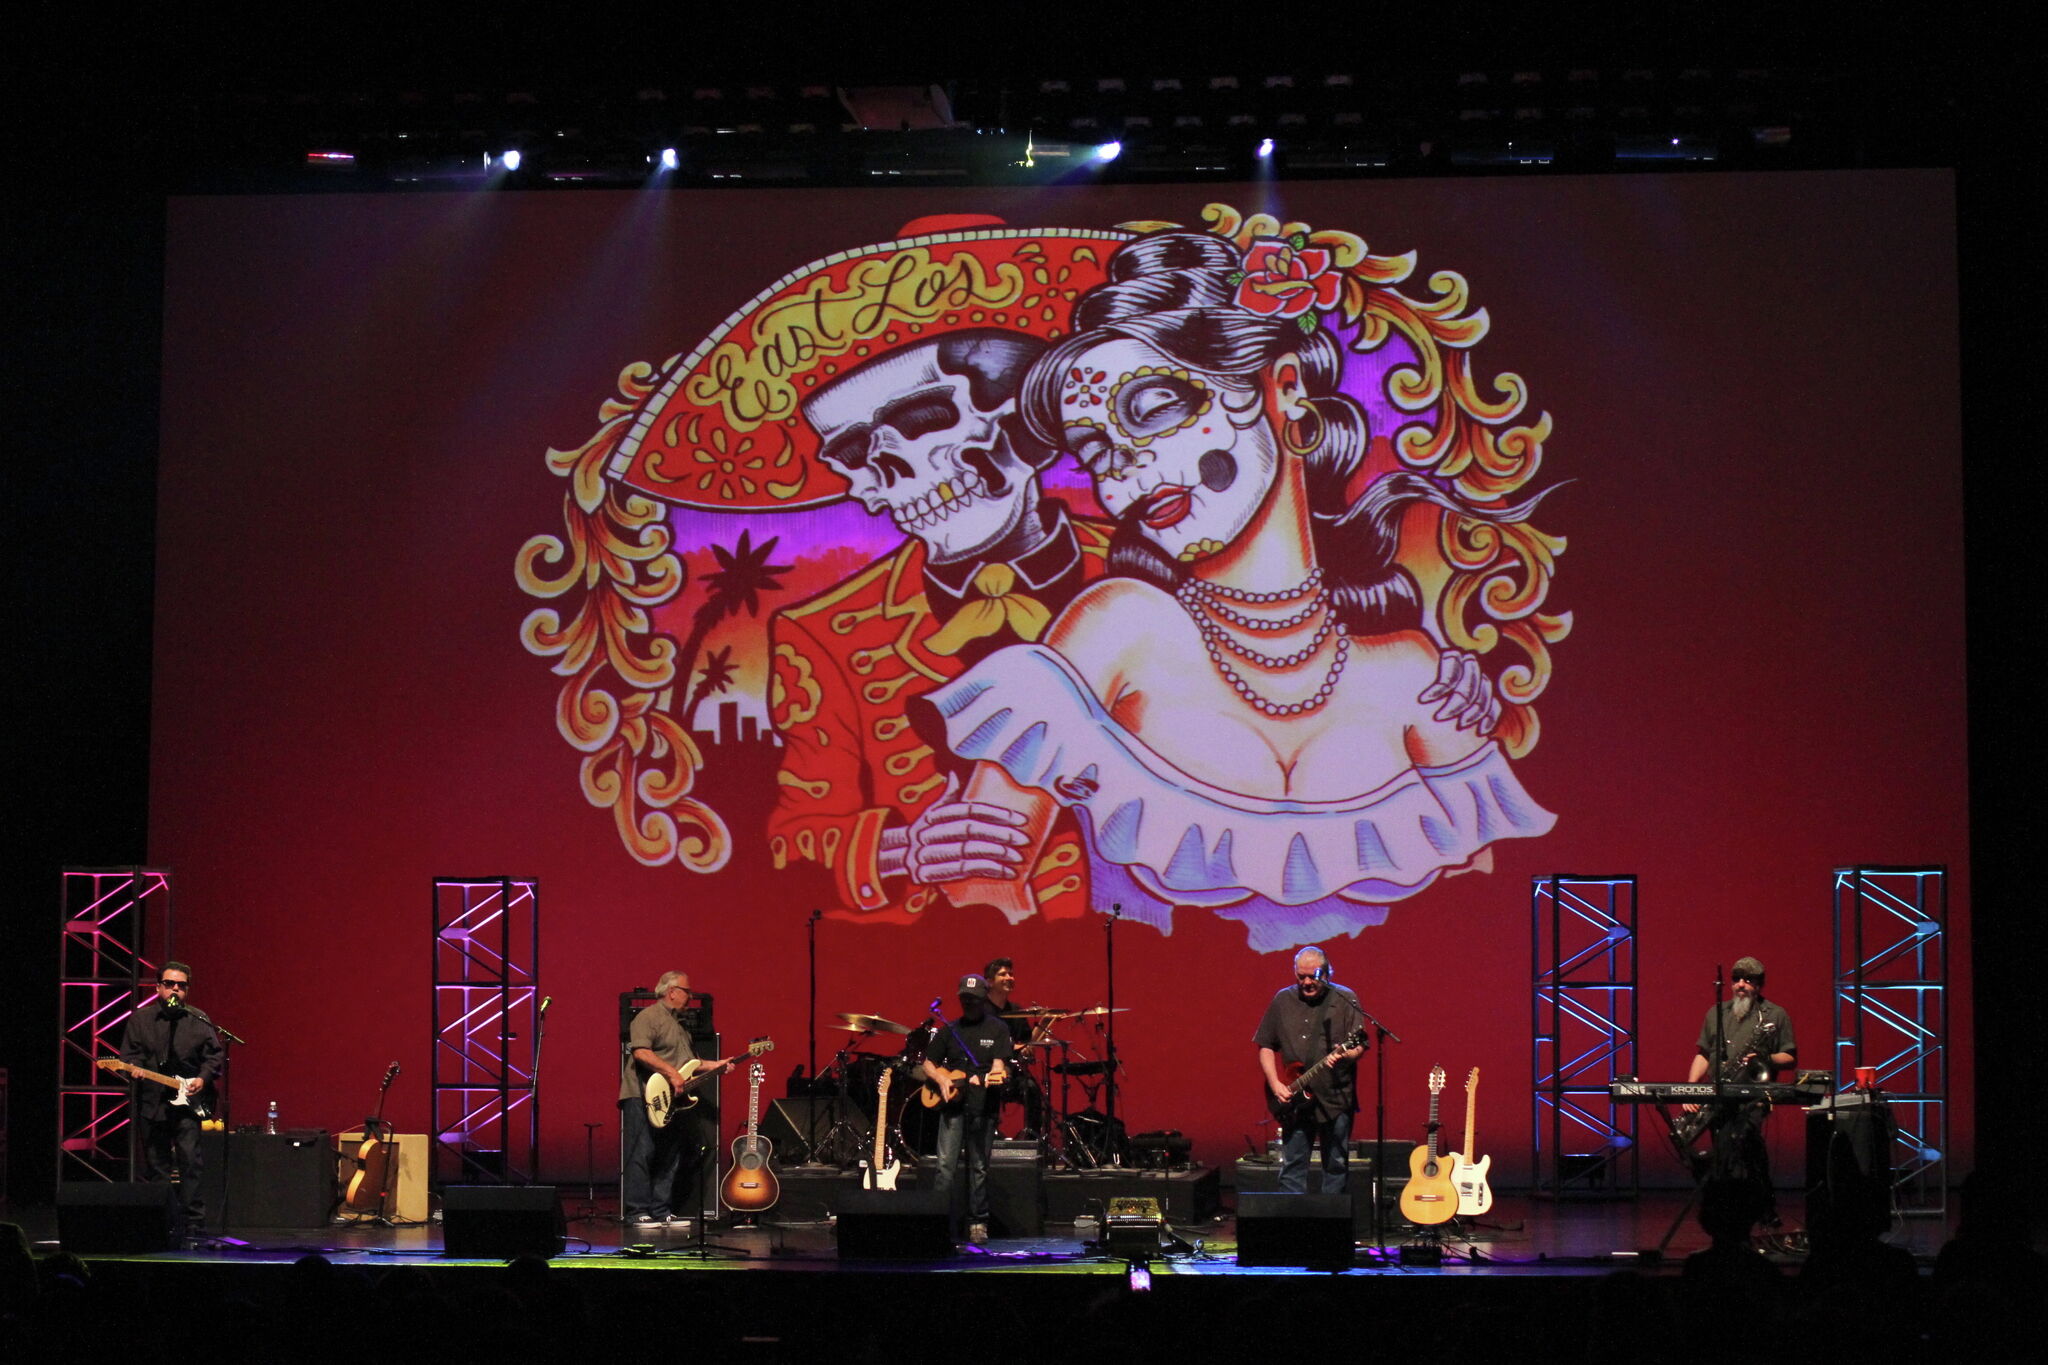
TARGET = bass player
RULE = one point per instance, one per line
(1307, 1023)
(967, 1062)
(658, 1044)
(169, 1036)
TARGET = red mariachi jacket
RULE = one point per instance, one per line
(844, 666)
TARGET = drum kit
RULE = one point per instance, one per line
(1067, 1138)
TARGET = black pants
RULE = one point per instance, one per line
(170, 1151)
(1739, 1152)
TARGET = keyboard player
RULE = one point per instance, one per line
(1744, 1038)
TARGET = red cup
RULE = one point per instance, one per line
(1866, 1078)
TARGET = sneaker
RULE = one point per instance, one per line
(977, 1233)
(646, 1220)
(676, 1222)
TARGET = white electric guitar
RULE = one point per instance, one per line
(663, 1099)
(881, 1173)
(181, 1098)
(1474, 1194)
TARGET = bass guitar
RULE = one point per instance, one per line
(750, 1186)
(196, 1101)
(1301, 1080)
(663, 1099)
(1475, 1196)
(881, 1172)
(370, 1186)
(1429, 1196)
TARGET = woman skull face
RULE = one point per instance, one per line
(1190, 457)
(911, 443)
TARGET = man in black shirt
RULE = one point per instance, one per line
(1304, 1024)
(1754, 1041)
(170, 1037)
(1024, 1090)
(968, 1060)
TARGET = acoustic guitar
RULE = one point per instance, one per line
(1475, 1196)
(881, 1172)
(1430, 1195)
(196, 1101)
(370, 1186)
(933, 1098)
(751, 1186)
(663, 1099)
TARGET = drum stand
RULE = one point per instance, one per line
(841, 1145)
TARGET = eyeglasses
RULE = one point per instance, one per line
(174, 985)
(1752, 980)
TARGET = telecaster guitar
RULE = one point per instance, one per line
(1430, 1196)
(196, 1101)
(663, 1099)
(1474, 1194)
(881, 1173)
(751, 1185)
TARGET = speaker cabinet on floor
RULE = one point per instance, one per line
(98, 1219)
(276, 1180)
(499, 1222)
(1311, 1230)
(894, 1225)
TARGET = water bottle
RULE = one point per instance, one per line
(270, 1124)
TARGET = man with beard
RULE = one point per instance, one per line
(1304, 1024)
(1744, 1038)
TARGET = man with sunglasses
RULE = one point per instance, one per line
(168, 1036)
(1750, 1038)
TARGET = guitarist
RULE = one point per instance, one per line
(657, 1043)
(978, 1047)
(1304, 1024)
(169, 1036)
(1751, 1038)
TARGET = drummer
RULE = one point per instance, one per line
(1001, 975)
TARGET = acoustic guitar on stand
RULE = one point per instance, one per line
(370, 1185)
(1475, 1196)
(1430, 1196)
(751, 1186)
(663, 1099)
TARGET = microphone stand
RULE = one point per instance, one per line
(1116, 912)
(1699, 1177)
(811, 1110)
(1379, 1142)
(540, 1035)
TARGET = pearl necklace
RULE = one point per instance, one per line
(1198, 600)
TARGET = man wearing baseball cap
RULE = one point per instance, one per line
(967, 1062)
(1751, 1039)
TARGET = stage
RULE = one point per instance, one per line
(1545, 1270)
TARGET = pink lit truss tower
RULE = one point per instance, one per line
(1891, 1013)
(116, 932)
(486, 966)
(1582, 949)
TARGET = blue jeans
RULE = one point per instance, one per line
(1294, 1149)
(972, 1136)
(652, 1156)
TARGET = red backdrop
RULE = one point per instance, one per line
(1754, 388)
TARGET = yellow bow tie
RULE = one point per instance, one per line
(996, 606)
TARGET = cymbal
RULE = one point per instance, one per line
(870, 1023)
(1103, 1009)
(1039, 1014)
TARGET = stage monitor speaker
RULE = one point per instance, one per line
(277, 1180)
(1310, 1230)
(788, 1124)
(1849, 1160)
(894, 1225)
(98, 1219)
(499, 1222)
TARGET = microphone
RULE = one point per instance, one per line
(545, 1001)
(937, 1001)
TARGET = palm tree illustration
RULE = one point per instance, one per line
(717, 677)
(742, 575)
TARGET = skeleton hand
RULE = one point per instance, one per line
(1467, 693)
(953, 840)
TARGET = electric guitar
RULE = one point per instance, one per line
(195, 1101)
(663, 1099)
(1474, 1194)
(368, 1186)
(1429, 1196)
(1301, 1080)
(750, 1186)
(881, 1173)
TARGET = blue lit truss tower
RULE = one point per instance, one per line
(1891, 1013)
(116, 929)
(1582, 937)
(486, 969)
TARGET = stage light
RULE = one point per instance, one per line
(669, 159)
(1109, 151)
(1266, 148)
(509, 160)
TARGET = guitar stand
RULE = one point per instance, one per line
(703, 1249)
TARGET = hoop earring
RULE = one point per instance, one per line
(1304, 433)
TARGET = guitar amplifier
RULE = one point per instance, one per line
(276, 1180)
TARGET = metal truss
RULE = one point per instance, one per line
(1583, 1022)
(116, 929)
(486, 965)
(1891, 1013)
